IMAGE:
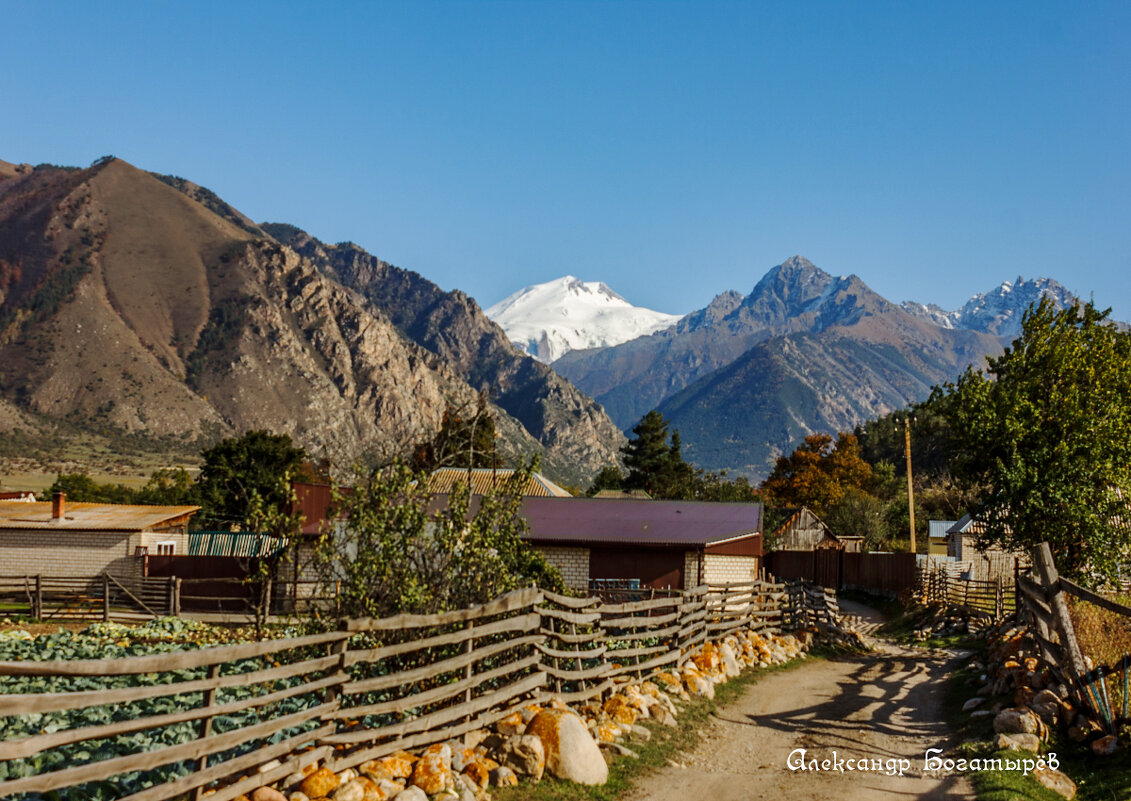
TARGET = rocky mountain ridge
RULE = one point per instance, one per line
(150, 308)
(748, 376)
(999, 311)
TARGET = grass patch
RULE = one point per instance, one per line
(1097, 778)
(666, 743)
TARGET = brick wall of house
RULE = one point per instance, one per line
(68, 553)
(572, 563)
(691, 574)
(722, 568)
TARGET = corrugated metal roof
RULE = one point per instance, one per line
(967, 525)
(486, 479)
(658, 523)
(89, 516)
(938, 529)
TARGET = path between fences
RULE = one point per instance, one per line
(886, 705)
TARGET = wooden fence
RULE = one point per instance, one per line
(809, 605)
(224, 714)
(994, 599)
(129, 599)
(1043, 602)
(890, 573)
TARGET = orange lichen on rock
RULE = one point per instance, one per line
(430, 773)
(320, 783)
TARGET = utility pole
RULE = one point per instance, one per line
(910, 487)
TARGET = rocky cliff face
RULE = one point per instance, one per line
(577, 436)
(149, 307)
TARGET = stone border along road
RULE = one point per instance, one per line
(887, 705)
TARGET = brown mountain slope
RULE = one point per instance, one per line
(572, 427)
(130, 305)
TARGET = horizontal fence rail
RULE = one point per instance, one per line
(241, 716)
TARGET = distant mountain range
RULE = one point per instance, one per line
(547, 320)
(748, 376)
(140, 312)
(144, 309)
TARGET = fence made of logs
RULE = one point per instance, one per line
(236, 717)
(995, 598)
(128, 599)
(809, 605)
(1054, 609)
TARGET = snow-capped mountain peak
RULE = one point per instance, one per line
(547, 320)
(998, 311)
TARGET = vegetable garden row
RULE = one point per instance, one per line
(158, 711)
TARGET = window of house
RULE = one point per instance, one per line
(166, 548)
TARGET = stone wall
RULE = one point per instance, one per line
(572, 563)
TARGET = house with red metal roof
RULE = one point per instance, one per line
(660, 544)
(648, 543)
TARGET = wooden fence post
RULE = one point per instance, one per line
(170, 595)
(177, 597)
(1046, 568)
(206, 727)
(469, 671)
(38, 613)
(106, 597)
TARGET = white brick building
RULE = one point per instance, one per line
(86, 539)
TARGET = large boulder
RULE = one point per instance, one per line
(411, 794)
(432, 773)
(267, 794)
(729, 661)
(571, 752)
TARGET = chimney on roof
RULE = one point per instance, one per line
(58, 506)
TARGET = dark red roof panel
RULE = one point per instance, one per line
(657, 523)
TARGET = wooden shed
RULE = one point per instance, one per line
(804, 531)
(661, 544)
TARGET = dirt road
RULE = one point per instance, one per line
(882, 706)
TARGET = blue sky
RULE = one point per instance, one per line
(673, 150)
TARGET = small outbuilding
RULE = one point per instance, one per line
(985, 564)
(660, 544)
(938, 537)
(86, 539)
(804, 531)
